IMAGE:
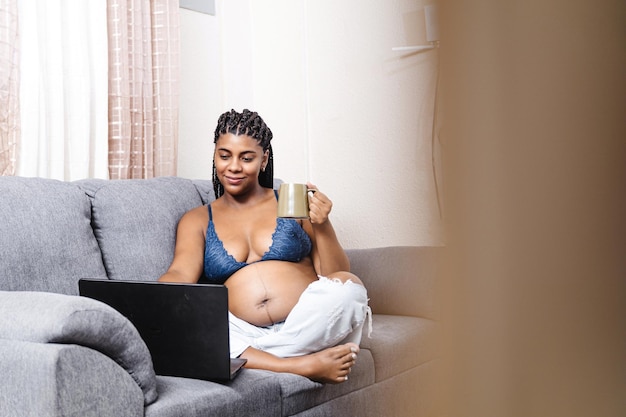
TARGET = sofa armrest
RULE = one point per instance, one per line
(46, 379)
(400, 280)
(56, 318)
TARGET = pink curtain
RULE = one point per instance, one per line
(143, 87)
(9, 83)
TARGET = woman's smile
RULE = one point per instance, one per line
(233, 180)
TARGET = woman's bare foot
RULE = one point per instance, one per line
(330, 365)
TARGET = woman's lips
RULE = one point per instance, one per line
(234, 181)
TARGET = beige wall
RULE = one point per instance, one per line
(348, 113)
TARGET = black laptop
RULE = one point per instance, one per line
(185, 326)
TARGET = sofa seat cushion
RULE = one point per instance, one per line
(57, 318)
(46, 240)
(399, 343)
(300, 393)
(135, 222)
(251, 393)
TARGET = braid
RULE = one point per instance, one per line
(218, 188)
(251, 124)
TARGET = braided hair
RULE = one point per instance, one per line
(251, 124)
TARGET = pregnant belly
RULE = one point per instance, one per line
(264, 293)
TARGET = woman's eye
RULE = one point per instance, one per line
(223, 157)
(247, 159)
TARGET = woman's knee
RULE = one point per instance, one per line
(345, 276)
(342, 289)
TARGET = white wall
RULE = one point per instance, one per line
(347, 112)
(200, 98)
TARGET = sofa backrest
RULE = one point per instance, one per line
(46, 239)
(135, 222)
(401, 280)
(52, 233)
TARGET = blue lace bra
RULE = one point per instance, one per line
(289, 243)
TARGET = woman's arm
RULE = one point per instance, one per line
(328, 255)
(189, 252)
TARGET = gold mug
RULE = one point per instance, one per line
(293, 201)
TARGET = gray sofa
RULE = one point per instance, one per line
(65, 355)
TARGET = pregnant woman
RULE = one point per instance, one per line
(293, 304)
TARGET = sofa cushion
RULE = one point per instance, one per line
(402, 280)
(46, 240)
(399, 343)
(252, 393)
(300, 393)
(205, 189)
(135, 222)
(57, 318)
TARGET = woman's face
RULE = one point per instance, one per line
(238, 161)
